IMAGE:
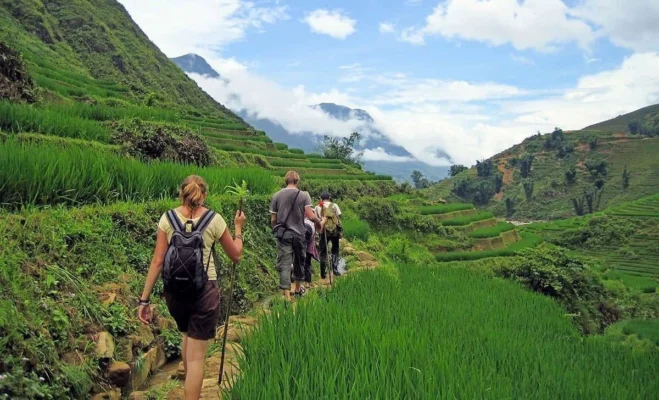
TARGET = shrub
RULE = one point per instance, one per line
(378, 212)
(554, 273)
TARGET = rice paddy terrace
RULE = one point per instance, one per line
(634, 258)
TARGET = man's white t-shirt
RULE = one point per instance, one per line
(325, 205)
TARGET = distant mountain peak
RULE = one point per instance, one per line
(344, 113)
(196, 64)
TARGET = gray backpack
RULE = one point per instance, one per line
(183, 271)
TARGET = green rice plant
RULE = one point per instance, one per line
(421, 331)
(444, 208)
(38, 174)
(527, 240)
(18, 118)
(299, 164)
(322, 160)
(354, 229)
(296, 151)
(266, 153)
(281, 146)
(468, 219)
(492, 231)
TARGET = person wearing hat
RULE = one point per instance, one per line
(330, 233)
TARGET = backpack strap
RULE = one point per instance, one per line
(174, 221)
(204, 221)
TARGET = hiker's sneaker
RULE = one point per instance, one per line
(336, 272)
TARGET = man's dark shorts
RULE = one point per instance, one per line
(291, 252)
(196, 317)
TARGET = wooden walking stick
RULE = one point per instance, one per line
(240, 191)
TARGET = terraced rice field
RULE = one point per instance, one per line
(426, 332)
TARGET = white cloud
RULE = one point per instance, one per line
(379, 154)
(330, 23)
(387, 27)
(466, 120)
(632, 24)
(522, 59)
(530, 24)
(180, 26)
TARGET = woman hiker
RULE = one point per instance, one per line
(184, 254)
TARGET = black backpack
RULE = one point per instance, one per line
(183, 271)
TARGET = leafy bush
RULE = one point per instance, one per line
(554, 273)
(604, 231)
(378, 212)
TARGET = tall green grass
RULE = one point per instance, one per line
(468, 219)
(444, 208)
(38, 174)
(16, 117)
(527, 240)
(492, 231)
(354, 228)
(423, 332)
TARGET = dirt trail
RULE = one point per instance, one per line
(239, 326)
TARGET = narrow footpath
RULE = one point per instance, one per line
(167, 383)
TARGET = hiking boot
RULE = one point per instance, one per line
(336, 272)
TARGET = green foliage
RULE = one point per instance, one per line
(570, 175)
(526, 164)
(555, 140)
(156, 141)
(528, 189)
(510, 206)
(16, 84)
(597, 168)
(346, 189)
(478, 191)
(378, 212)
(35, 174)
(592, 142)
(597, 232)
(392, 317)
(419, 181)
(172, 340)
(644, 329)
(484, 168)
(626, 176)
(355, 229)
(492, 231)
(554, 273)
(444, 208)
(468, 219)
(342, 148)
(303, 164)
(456, 169)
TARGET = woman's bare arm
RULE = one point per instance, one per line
(154, 272)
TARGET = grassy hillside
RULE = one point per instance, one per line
(621, 122)
(98, 39)
(556, 175)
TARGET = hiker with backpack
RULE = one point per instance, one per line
(184, 254)
(331, 232)
(288, 208)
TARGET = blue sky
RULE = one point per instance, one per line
(470, 77)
